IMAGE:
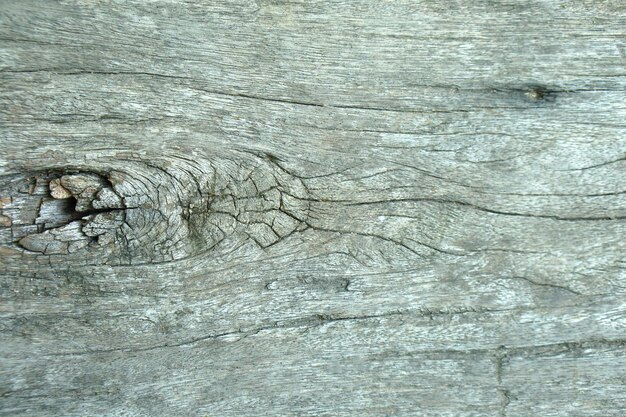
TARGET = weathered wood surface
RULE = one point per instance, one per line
(339, 208)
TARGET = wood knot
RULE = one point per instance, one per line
(150, 212)
(68, 208)
(536, 93)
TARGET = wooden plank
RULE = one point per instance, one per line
(312, 208)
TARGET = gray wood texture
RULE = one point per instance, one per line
(313, 208)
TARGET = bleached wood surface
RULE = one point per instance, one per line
(313, 208)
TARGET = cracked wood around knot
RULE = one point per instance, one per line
(312, 208)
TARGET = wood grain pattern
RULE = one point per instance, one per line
(324, 208)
